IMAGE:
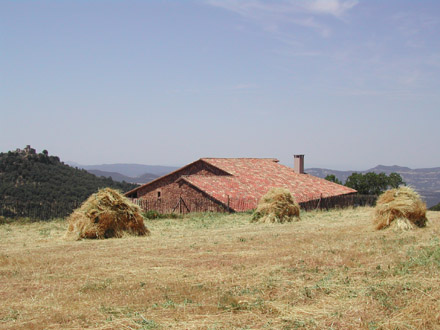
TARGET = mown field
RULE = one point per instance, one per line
(331, 270)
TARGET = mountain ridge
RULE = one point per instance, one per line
(141, 179)
(128, 169)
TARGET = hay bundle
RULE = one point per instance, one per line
(278, 205)
(402, 207)
(106, 214)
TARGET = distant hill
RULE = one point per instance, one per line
(33, 179)
(144, 178)
(115, 176)
(129, 170)
(425, 180)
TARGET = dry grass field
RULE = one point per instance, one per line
(331, 270)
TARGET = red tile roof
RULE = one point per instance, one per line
(251, 178)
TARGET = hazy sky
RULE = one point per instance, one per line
(350, 84)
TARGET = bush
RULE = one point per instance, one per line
(152, 214)
(435, 207)
(3, 220)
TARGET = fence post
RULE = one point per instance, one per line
(319, 202)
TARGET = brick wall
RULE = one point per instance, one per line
(166, 192)
(189, 199)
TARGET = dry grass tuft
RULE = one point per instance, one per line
(106, 214)
(402, 208)
(278, 205)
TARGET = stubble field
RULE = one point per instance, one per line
(331, 270)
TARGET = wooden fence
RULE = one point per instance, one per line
(37, 210)
(188, 205)
(339, 201)
(50, 210)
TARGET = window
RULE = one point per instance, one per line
(158, 194)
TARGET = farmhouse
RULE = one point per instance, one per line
(232, 184)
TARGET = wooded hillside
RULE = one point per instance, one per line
(39, 179)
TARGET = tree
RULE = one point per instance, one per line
(395, 180)
(373, 184)
(333, 178)
(358, 182)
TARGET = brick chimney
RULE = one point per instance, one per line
(298, 164)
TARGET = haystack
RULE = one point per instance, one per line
(106, 214)
(278, 205)
(401, 207)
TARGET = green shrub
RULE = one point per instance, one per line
(152, 214)
(3, 220)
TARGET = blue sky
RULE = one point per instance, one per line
(350, 84)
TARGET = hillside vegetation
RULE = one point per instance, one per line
(330, 270)
(30, 179)
(435, 207)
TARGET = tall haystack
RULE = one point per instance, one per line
(402, 207)
(106, 214)
(278, 205)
